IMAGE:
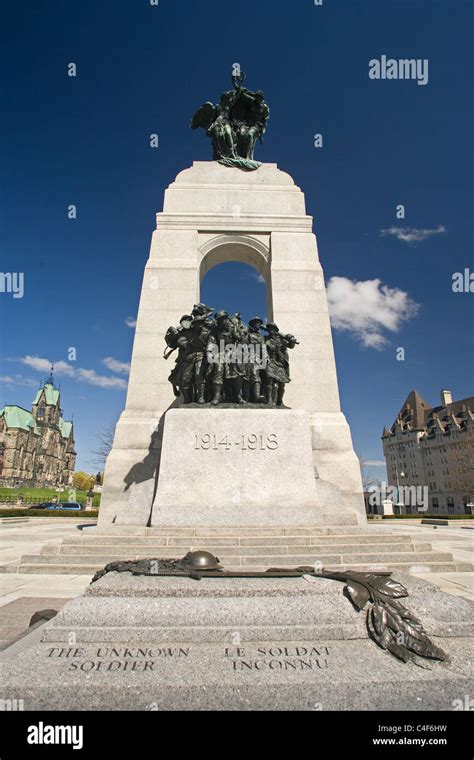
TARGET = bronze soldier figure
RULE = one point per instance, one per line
(256, 364)
(226, 370)
(173, 334)
(188, 374)
(278, 366)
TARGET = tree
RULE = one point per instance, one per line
(82, 481)
(369, 482)
(105, 439)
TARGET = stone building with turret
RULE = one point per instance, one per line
(433, 447)
(37, 446)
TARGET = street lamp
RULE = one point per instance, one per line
(401, 475)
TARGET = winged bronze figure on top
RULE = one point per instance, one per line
(235, 124)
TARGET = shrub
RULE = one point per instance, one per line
(47, 513)
(425, 515)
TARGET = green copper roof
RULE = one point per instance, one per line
(65, 427)
(17, 417)
(51, 393)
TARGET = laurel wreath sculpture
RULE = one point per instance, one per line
(389, 623)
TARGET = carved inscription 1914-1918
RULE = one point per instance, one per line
(245, 442)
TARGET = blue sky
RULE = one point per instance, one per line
(144, 69)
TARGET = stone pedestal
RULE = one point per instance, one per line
(256, 644)
(387, 507)
(236, 466)
(213, 214)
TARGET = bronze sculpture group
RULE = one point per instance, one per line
(235, 124)
(221, 360)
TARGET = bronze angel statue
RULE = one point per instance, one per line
(235, 124)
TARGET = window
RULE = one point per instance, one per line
(40, 414)
(450, 503)
(435, 502)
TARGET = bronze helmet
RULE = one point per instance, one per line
(201, 560)
(271, 326)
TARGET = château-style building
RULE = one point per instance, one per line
(433, 447)
(37, 446)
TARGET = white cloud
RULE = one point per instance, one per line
(89, 376)
(373, 463)
(131, 322)
(44, 365)
(254, 275)
(367, 309)
(123, 368)
(412, 234)
(17, 380)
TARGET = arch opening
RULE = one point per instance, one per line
(235, 276)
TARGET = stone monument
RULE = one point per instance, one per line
(218, 211)
(240, 458)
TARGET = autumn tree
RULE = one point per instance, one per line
(83, 481)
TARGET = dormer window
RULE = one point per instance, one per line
(41, 412)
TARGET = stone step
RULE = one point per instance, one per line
(131, 550)
(234, 540)
(10, 567)
(407, 567)
(309, 558)
(346, 524)
(13, 520)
